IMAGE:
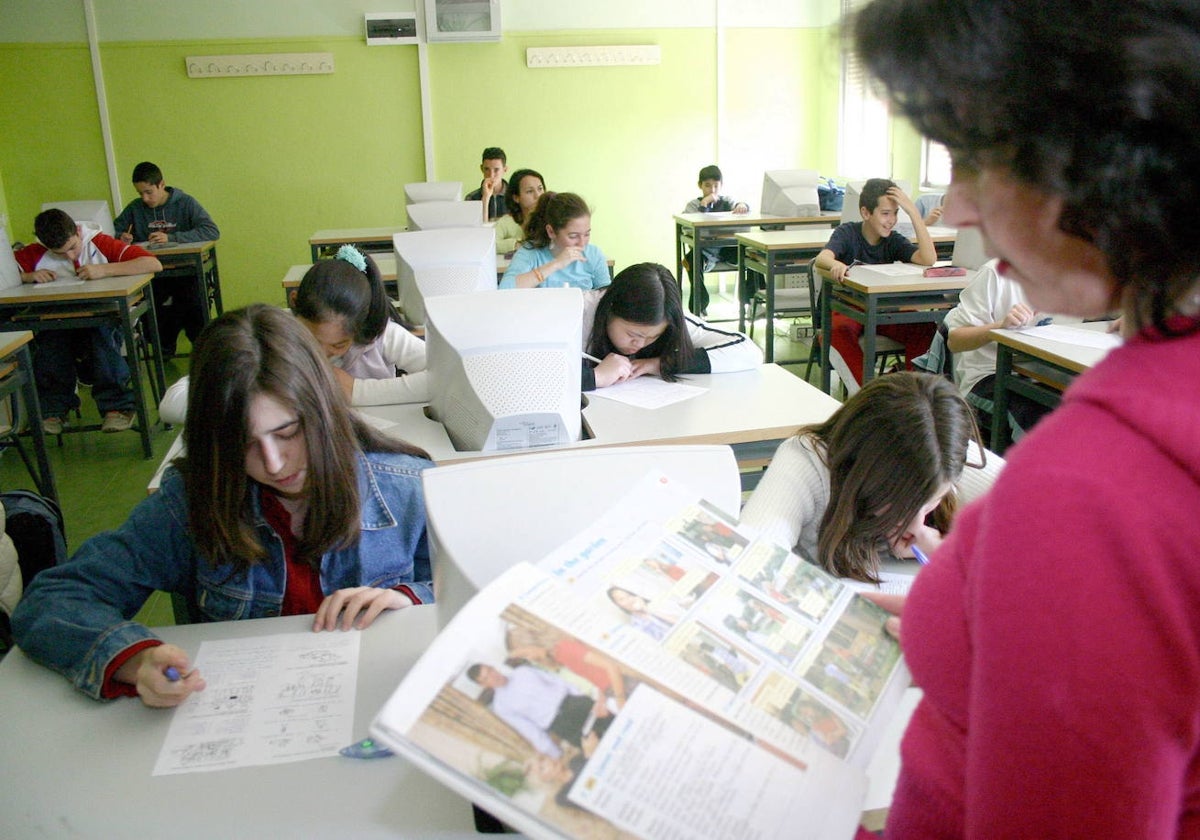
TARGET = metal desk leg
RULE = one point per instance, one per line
(870, 333)
(679, 255)
(697, 271)
(135, 369)
(1001, 434)
(769, 330)
(741, 286)
(45, 477)
(826, 333)
(213, 281)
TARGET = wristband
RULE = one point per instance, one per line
(538, 274)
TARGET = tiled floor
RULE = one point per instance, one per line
(101, 477)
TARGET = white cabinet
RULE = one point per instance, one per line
(462, 20)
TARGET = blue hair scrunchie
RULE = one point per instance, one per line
(353, 256)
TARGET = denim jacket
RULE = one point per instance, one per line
(75, 617)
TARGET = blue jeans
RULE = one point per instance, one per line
(59, 356)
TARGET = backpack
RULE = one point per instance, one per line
(35, 524)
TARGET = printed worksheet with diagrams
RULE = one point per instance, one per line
(269, 700)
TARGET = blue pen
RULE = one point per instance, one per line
(920, 555)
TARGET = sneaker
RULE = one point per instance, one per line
(52, 425)
(118, 421)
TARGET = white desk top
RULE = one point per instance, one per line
(77, 768)
(341, 235)
(108, 287)
(1073, 357)
(732, 219)
(783, 240)
(766, 403)
(385, 262)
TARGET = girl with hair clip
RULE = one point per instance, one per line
(525, 187)
(285, 504)
(557, 250)
(860, 487)
(637, 327)
(345, 306)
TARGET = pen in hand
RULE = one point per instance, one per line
(920, 555)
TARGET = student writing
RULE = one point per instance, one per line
(286, 503)
(637, 327)
(858, 488)
(557, 250)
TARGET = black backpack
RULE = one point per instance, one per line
(35, 524)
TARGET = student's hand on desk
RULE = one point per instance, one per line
(741, 208)
(1020, 315)
(42, 276)
(357, 607)
(92, 272)
(615, 368)
(126, 237)
(147, 671)
(837, 271)
(157, 238)
(646, 367)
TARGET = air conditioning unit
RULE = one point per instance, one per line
(390, 28)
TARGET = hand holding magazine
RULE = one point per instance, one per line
(661, 675)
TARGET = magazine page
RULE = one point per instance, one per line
(661, 675)
(612, 754)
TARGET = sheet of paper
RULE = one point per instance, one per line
(649, 392)
(59, 282)
(888, 269)
(269, 700)
(1075, 335)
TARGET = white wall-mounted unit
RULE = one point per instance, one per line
(462, 20)
(390, 28)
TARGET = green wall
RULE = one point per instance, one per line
(275, 158)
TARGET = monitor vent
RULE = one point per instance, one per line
(447, 279)
(518, 381)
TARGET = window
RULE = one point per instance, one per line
(935, 165)
(864, 136)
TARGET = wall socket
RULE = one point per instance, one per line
(798, 333)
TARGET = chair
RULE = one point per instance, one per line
(886, 349)
(419, 192)
(474, 513)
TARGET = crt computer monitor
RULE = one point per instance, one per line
(968, 248)
(419, 192)
(790, 192)
(93, 212)
(447, 261)
(431, 215)
(504, 368)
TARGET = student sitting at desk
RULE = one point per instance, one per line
(557, 250)
(989, 302)
(637, 327)
(860, 487)
(711, 201)
(524, 189)
(872, 242)
(68, 251)
(493, 188)
(286, 503)
(160, 216)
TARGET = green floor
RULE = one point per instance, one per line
(100, 477)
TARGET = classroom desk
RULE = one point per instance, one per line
(371, 240)
(125, 300)
(1047, 368)
(385, 262)
(78, 768)
(196, 261)
(910, 299)
(751, 411)
(770, 253)
(14, 350)
(698, 231)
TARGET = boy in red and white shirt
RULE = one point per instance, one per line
(70, 251)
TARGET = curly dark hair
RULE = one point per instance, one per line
(1096, 103)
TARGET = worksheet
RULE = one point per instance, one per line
(269, 700)
(648, 392)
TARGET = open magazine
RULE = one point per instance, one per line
(661, 675)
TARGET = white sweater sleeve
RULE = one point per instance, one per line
(405, 351)
(787, 505)
(173, 406)
(727, 350)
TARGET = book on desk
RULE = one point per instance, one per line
(730, 672)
